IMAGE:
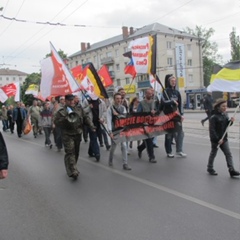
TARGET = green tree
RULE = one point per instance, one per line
(209, 50)
(235, 45)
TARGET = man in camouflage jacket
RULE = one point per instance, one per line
(71, 120)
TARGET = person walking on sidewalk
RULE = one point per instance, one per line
(219, 122)
(208, 106)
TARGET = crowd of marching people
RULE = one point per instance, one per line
(67, 120)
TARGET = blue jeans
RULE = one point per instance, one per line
(5, 125)
(178, 138)
(93, 144)
(47, 132)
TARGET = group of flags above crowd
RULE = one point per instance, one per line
(58, 80)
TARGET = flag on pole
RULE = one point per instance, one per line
(11, 90)
(32, 89)
(130, 69)
(227, 79)
(56, 79)
(3, 96)
(105, 76)
(155, 83)
(144, 54)
(77, 73)
(92, 83)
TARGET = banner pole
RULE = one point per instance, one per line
(236, 109)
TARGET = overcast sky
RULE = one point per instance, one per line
(24, 44)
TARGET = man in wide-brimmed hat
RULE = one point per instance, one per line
(219, 122)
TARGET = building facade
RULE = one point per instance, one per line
(8, 76)
(178, 53)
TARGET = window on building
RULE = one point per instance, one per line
(127, 80)
(14, 78)
(95, 59)
(76, 63)
(0, 78)
(20, 78)
(189, 47)
(118, 82)
(117, 53)
(169, 45)
(109, 54)
(101, 56)
(189, 62)
(190, 80)
(7, 78)
(169, 62)
(126, 49)
(118, 67)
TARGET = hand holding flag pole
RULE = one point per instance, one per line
(230, 122)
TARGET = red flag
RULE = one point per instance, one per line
(105, 76)
(10, 89)
(77, 73)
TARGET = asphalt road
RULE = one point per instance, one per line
(174, 199)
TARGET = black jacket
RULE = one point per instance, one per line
(218, 124)
(208, 103)
(3, 154)
(167, 103)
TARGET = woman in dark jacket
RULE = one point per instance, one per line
(219, 122)
(3, 158)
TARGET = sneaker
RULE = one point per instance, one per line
(108, 147)
(101, 145)
(181, 154)
(212, 172)
(170, 155)
(50, 146)
(202, 122)
(233, 172)
(155, 146)
(126, 167)
(110, 164)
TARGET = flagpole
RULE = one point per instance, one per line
(104, 128)
(236, 109)
(130, 85)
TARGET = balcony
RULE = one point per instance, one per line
(107, 61)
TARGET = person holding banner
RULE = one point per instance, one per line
(219, 122)
(171, 102)
(147, 105)
(113, 112)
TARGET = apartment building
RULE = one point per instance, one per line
(8, 76)
(178, 53)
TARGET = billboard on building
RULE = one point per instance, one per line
(180, 64)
